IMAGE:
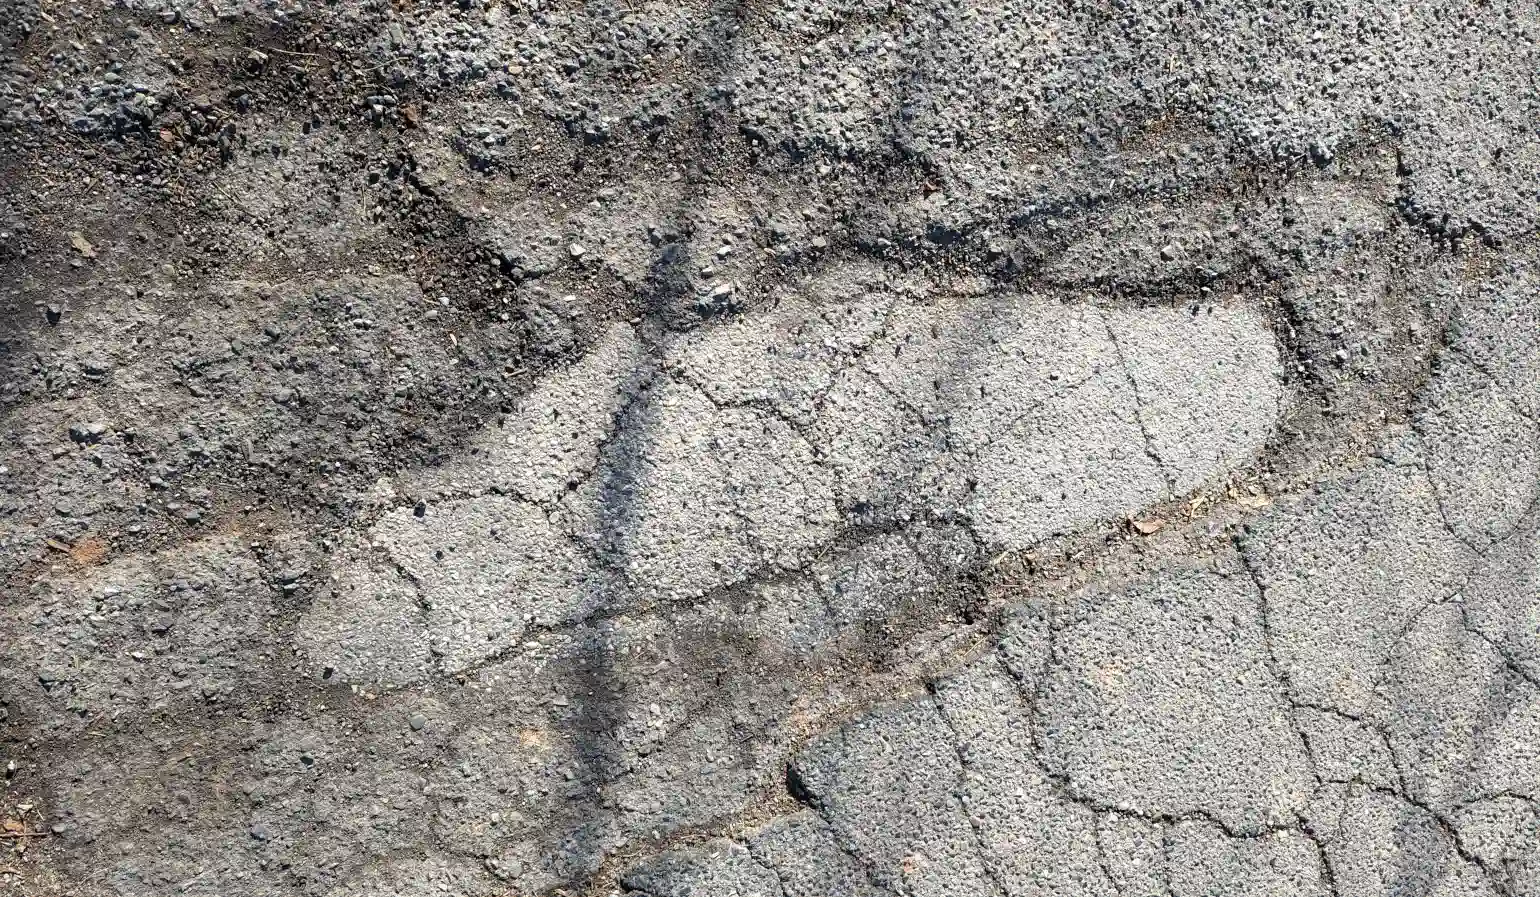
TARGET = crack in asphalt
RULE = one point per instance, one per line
(986, 857)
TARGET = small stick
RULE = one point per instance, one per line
(293, 53)
(24, 834)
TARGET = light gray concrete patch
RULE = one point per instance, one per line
(1010, 355)
(1092, 424)
(1075, 459)
(699, 497)
(719, 868)
(488, 568)
(770, 425)
(1346, 568)
(878, 450)
(784, 496)
(1161, 701)
(890, 785)
(1033, 841)
(1204, 860)
(785, 358)
(661, 507)
(802, 850)
(1208, 384)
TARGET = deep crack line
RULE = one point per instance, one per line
(1144, 430)
(1102, 860)
(987, 859)
(1456, 839)
(1439, 504)
(1328, 870)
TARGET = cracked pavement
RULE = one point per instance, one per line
(815, 448)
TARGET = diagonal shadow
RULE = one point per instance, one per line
(596, 681)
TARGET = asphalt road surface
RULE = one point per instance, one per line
(789, 448)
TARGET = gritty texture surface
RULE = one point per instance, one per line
(808, 448)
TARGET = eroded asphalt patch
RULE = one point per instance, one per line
(763, 451)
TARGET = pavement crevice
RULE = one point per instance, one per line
(1063, 787)
(1104, 863)
(772, 868)
(1139, 409)
(802, 795)
(986, 857)
(301, 274)
(1456, 839)
(1503, 652)
(1328, 870)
